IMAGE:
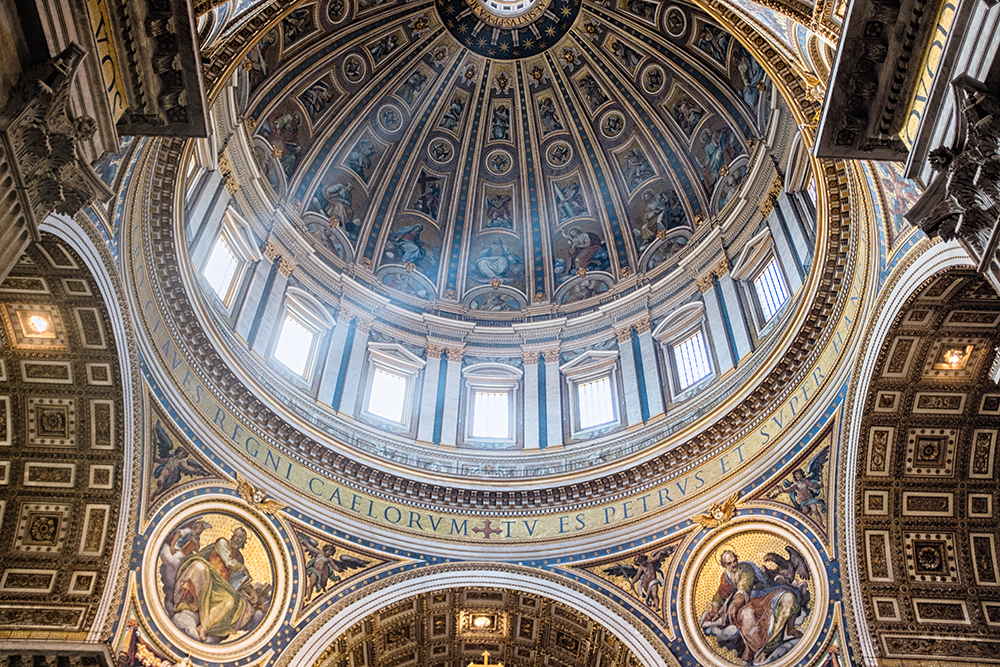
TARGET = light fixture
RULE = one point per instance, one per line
(954, 357)
(38, 324)
(482, 622)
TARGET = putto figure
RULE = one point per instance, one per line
(757, 611)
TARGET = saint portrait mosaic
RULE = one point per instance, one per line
(757, 596)
(215, 578)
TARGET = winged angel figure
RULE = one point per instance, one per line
(256, 498)
(806, 486)
(646, 571)
(323, 568)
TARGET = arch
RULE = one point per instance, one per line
(358, 606)
(935, 258)
(97, 259)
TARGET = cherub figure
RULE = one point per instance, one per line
(646, 572)
(806, 486)
(323, 568)
(171, 461)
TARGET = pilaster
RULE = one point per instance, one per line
(429, 395)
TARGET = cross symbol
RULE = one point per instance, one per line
(486, 660)
(486, 530)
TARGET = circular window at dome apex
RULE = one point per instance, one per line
(508, 7)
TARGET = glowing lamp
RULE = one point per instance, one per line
(38, 323)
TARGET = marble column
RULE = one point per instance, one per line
(355, 365)
(334, 358)
(532, 437)
(429, 395)
(735, 317)
(268, 319)
(630, 380)
(718, 328)
(553, 402)
(651, 373)
(452, 395)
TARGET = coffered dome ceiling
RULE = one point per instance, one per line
(479, 161)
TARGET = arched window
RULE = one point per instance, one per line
(491, 402)
(762, 280)
(231, 256)
(686, 345)
(303, 321)
(390, 379)
(593, 391)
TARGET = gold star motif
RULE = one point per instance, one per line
(481, 43)
(543, 45)
(528, 43)
(550, 31)
(491, 52)
(462, 28)
(517, 53)
(566, 11)
(504, 47)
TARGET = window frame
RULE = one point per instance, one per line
(491, 377)
(395, 359)
(590, 366)
(754, 282)
(313, 316)
(753, 260)
(676, 328)
(235, 232)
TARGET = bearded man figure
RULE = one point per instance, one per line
(750, 611)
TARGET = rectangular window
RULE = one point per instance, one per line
(294, 345)
(595, 402)
(772, 292)
(692, 360)
(388, 395)
(491, 415)
(220, 270)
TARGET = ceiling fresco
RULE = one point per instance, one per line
(448, 153)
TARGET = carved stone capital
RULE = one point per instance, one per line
(362, 325)
(705, 282)
(550, 355)
(644, 325)
(43, 142)
(434, 351)
(530, 356)
(285, 267)
(455, 353)
(624, 334)
(722, 268)
(270, 250)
